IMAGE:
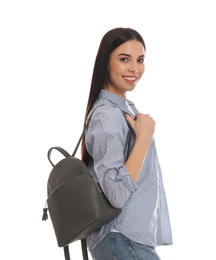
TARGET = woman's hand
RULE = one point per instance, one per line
(143, 126)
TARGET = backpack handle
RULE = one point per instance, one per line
(61, 150)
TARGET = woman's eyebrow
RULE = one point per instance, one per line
(124, 54)
(128, 55)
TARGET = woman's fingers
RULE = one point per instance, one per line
(142, 124)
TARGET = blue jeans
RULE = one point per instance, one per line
(115, 246)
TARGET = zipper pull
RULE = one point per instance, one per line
(45, 215)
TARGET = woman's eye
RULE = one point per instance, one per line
(124, 59)
(141, 60)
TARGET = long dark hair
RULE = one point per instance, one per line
(110, 41)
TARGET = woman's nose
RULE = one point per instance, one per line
(133, 69)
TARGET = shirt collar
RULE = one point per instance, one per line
(116, 100)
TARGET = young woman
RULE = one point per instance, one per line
(135, 185)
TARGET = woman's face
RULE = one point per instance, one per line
(126, 67)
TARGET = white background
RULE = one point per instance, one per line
(47, 52)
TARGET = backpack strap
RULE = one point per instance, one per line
(84, 249)
(83, 132)
(66, 253)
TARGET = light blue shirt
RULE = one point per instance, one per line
(144, 218)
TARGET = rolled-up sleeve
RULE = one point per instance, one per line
(105, 141)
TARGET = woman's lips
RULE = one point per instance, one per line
(130, 80)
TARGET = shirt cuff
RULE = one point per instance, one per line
(125, 178)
